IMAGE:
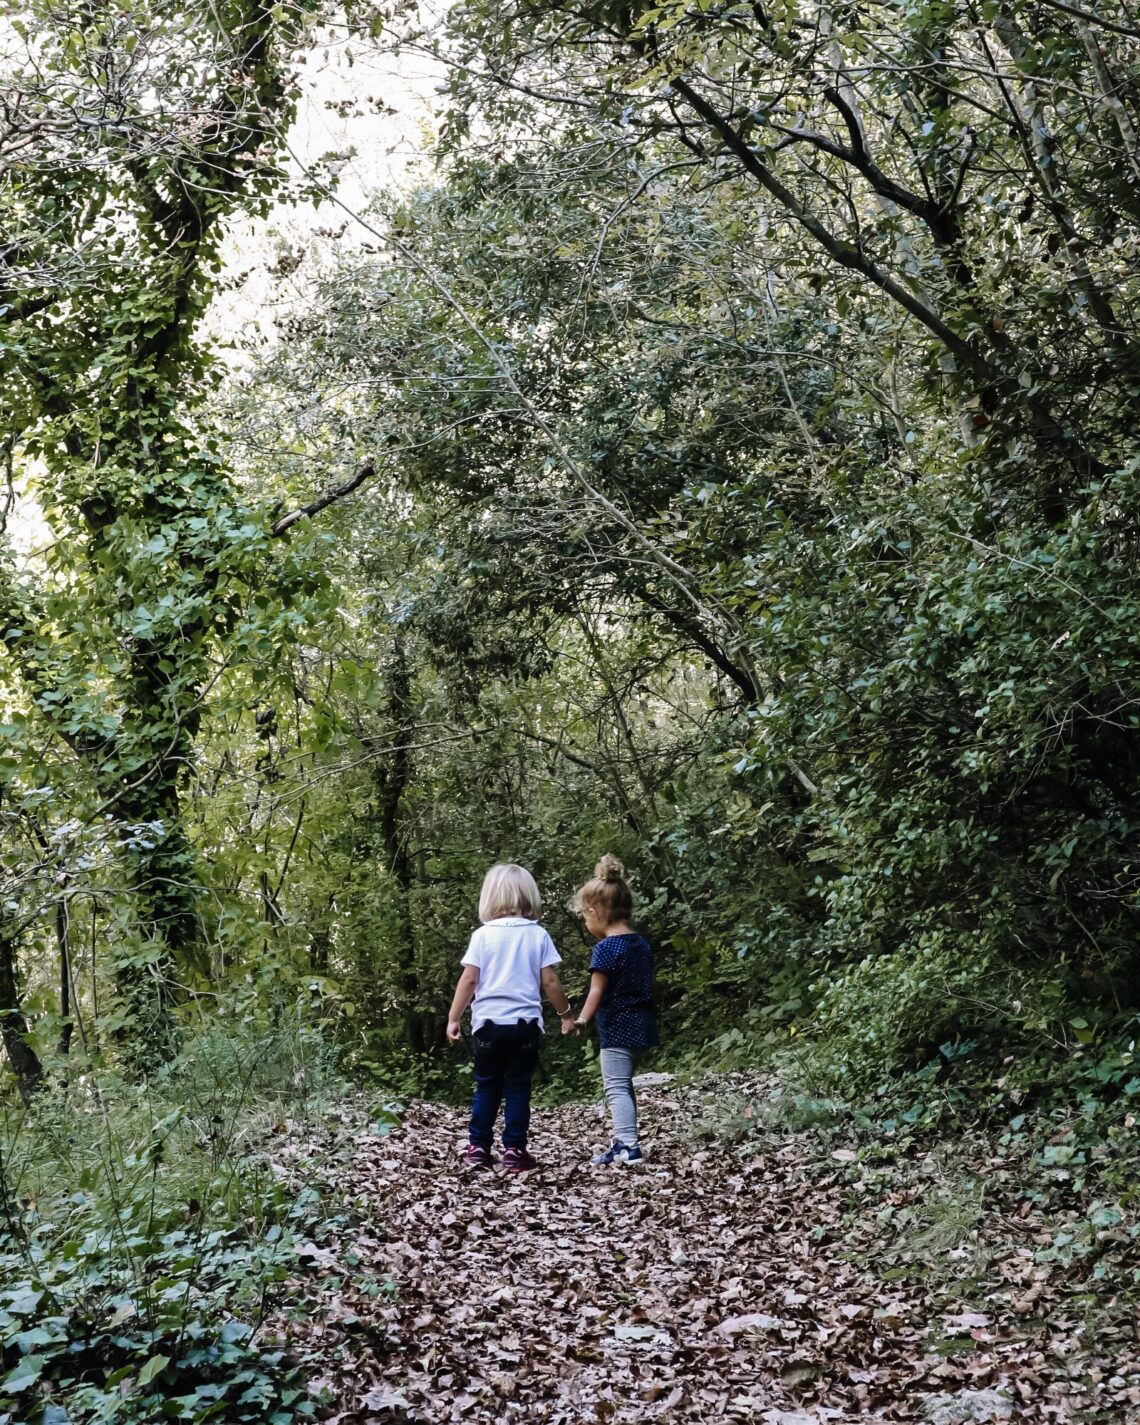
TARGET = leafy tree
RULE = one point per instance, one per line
(972, 165)
(131, 136)
(886, 496)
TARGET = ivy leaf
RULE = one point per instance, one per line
(153, 1367)
(26, 1374)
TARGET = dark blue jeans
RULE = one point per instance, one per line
(506, 1056)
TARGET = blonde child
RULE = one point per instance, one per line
(621, 995)
(509, 964)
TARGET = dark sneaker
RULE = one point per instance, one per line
(518, 1160)
(476, 1156)
(618, 1153)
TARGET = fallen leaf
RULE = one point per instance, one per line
(754, 1321)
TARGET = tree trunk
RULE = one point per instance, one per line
(62, 939)
(14, 1027)
(393, 776)
(163, 876)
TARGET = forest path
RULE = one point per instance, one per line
(722, 1281)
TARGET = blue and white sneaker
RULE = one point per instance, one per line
(618, 1153)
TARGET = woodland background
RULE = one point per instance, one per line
(724, 454)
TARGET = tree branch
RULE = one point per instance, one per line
(859, 152)
(327, 498)
(847, 254)
(1088, 15)
(712, 651)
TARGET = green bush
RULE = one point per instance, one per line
(142, 1237)
(901, 1010)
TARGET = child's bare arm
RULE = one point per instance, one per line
(464, 994)
(598, 982)
(552, 989)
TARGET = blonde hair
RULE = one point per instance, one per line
(508, 890)
(606, 892)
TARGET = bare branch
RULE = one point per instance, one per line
(1093, 19)
(329, 497)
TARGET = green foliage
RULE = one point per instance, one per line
(74, 1336)
(152, 569)
(918, 578)
(143, 1238)
(754, 494)
(794, 557)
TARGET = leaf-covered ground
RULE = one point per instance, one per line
(756, 1275)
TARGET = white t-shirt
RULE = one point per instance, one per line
(510, 955)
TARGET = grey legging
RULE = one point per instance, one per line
(617, 1080)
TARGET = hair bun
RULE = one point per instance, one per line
(609, 868)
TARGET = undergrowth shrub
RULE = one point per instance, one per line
(895, 1012)
(142, 1236)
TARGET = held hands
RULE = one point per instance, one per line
(571, 1025)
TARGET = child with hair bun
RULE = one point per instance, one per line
(621, 996)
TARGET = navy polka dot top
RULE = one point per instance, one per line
(625, 1016)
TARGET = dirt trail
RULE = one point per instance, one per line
(717, 1283)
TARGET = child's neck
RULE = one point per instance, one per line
(619, 927)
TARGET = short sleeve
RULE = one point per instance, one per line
(550, 955)
(606, 957)
(474, 953)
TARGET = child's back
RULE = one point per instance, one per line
(510, 954)
(621, 995)
(626, 1018)
(509, 964)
